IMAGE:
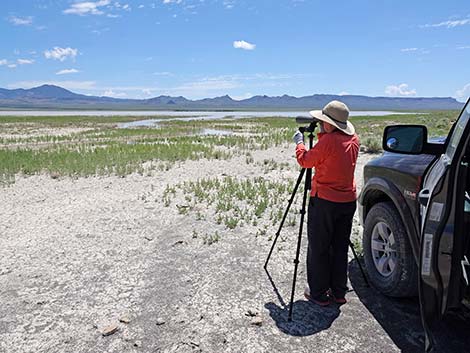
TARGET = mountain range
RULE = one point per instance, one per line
(54, 97)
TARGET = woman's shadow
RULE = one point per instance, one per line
(307, 317)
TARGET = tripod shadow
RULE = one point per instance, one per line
(307, 318)
(401, 320)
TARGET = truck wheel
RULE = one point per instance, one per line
(387, 252)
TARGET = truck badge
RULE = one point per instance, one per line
(409, 194)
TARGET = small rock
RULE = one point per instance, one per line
(111, 329)
(5, 271)
(179, 242)
(148, 237)
(251, 312)
(160, 321)
(257, 321)
(137, 344)
(125, 319)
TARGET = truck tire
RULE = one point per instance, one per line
(388, 255)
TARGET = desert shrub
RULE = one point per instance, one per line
(373, 145)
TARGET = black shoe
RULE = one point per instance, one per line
(321, 300)
(338, 299)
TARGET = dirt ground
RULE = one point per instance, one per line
(81, 258)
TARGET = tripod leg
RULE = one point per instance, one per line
(359, 263)
(299, 240)
(299, 179)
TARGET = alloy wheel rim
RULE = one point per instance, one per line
(383, 249)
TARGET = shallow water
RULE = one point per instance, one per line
(216, 132)
(183, 114)
(237, 115)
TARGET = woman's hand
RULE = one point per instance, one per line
(298, 137)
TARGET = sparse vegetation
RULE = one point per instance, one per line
(232, 202)
(373, 145)
(82, 146)
(210, 239)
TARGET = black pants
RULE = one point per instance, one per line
(329, 229)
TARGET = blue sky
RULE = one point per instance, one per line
(208, 48)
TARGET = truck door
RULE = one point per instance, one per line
(443, 237)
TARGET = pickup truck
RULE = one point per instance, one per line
(415, 212)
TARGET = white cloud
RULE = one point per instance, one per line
(25, 61)
(344, 93)
(3, 62)
(100, 31)
(21, 21)
(208, 85)
(79, 85)
(87, 8)
(163, 73)
(67, 71)
(404, 50)
(229, 4)
(203, 87)
(449, 24)
(172, 1)
(464, 47)
(400, 90)
(241, 44)
(126, 7)
(141, 6)
(464, 93)
(60, 53)
(147, 91)
(242, 96)
(111, 93)
(11, 66)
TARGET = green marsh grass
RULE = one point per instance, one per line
(233, 202)
(83, 146)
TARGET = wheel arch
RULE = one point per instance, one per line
(380, 190)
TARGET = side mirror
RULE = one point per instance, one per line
(408, 139)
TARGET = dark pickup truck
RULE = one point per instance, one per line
(415, 210)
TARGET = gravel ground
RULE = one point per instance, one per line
(99, 264)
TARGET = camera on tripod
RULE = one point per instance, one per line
(307, 120)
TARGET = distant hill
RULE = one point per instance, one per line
(54, 97)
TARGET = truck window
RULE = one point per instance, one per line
(457, 134)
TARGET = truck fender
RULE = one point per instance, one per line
(393, 194)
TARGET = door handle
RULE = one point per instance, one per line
(423, 197)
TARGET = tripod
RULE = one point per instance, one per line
(308, 180)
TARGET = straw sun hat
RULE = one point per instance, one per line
(335, 113)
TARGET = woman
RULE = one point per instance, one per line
(332, 202)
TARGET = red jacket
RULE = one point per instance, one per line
(334, 158)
